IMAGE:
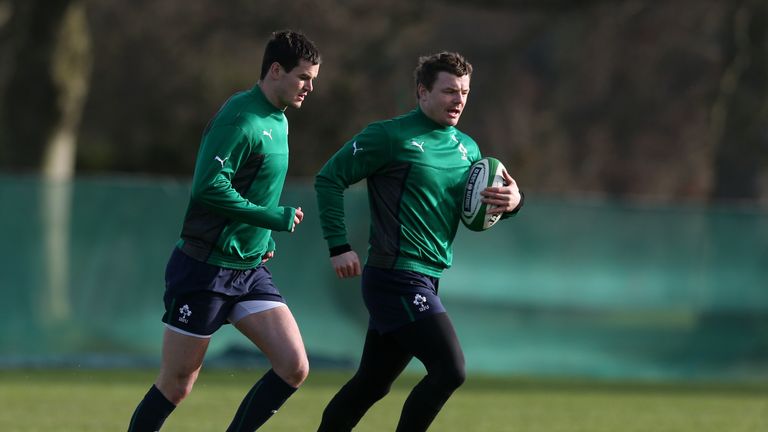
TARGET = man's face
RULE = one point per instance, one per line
(294, 86)
(445, 102)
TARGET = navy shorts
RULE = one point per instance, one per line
(395, 298)
(200, 298)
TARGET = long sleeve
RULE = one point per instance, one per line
(226, 151)
(356, 160)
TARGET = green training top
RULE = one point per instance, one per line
(239, 175)
(416, 171)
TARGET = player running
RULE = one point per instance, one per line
(216, 274)
(415, 167)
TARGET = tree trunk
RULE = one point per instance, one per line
(42, 106)
(46, 89)
(740, 114)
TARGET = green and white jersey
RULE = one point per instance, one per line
(239, 175)
(416, 170)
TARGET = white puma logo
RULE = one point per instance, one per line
(355, 149)
(269, 134)
(463, 151)
(419, 145)
(221, 161)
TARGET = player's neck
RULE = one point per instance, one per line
(270, 93)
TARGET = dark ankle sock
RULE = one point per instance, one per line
(263, 400)
(151, 412)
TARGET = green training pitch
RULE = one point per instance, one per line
(103, 400)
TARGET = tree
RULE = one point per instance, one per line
(48, 45)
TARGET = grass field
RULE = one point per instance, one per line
(103, 400)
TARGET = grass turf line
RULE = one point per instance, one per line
(103, 400)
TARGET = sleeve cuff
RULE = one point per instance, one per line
(516, 209)
(340, 249)
(289, 214)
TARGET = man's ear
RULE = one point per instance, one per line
(421, 91)
(274, 70)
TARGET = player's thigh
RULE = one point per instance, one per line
(276, 334)
(432, 340)
(383, 359)
(182, 354)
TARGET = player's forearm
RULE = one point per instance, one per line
(330, 202)
(228, 203)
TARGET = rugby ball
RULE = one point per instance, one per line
(482, 174)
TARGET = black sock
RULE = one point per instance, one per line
(151, 412)
(263, 400)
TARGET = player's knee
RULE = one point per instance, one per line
(370, 389)
(176, 390)
(452, 378)
(300, 374)
(181, 392)
(378, 392)
(456, 378)
(293, 373)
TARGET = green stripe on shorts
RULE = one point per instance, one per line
(407, 309)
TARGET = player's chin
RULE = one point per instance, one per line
(452, 119)
(298, 100)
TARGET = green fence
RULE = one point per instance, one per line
(566, 288)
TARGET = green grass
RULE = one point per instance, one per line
(99, 400)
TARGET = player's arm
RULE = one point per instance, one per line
(223, 151)
(356, 160)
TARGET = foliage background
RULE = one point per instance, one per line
(631, 99)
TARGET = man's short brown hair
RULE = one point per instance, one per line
(429, 66)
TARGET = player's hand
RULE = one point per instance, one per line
(346, 265)
(267, 256)
(504, 199)
(297, 218)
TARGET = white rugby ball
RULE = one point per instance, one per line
(482, 174)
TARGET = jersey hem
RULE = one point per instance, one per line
(405, 264)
